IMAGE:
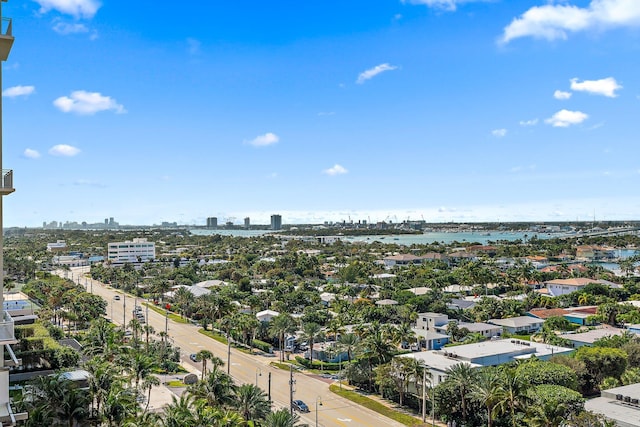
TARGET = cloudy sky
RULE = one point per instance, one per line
(447, 110)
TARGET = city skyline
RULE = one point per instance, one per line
(441, 110)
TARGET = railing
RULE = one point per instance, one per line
(6, 181)
(6, 327)
(8, 24)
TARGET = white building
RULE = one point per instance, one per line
(138, 250)
(519, 324)
(486, 353)
(559, 287)
(266, 315)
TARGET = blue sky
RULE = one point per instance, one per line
(446, 110)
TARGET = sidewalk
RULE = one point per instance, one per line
(396, 407)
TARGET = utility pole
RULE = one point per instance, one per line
(124, 310)
(424, 395)
(269, 388)
(291, 383)
(228, 354)
(166, 323)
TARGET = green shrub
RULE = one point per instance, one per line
(261, 345)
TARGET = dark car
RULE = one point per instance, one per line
(299, 405)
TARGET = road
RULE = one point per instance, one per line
(332, 409)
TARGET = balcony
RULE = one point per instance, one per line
(7, 335)
(6, 182)
(6, 38)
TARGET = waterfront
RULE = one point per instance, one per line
(401, 239)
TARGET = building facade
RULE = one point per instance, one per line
(276, 222)
(138, 250)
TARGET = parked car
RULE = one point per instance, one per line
(193, 357)
(300, 406)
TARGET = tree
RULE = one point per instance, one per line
(311, 333)
(485, 390)
(281, 325)
(551, 405)
(204, 356)
(281, 418)
(538, 372)
(511, 396)
(251, 402)
(349, 343)
(602, 362)
(216, 389)
(462, 376)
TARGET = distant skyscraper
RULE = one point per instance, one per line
(247, 223)
(276, 222)
(212, 222)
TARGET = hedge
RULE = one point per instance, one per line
(261, 345)
(318, 365)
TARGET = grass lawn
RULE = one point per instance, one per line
(176, 318)
(176, 383)
(378, 407)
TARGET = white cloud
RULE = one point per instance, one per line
(605, 87)
(31, 154)
(15, 91)
(531, 122)
(87, 103)
(559, 94)
(555, 21)
(499, 133)
(67, 28)
(264, 140)
(566, 118)
(75, 8)
(64, 150)
(335, 170)
(449, 5)
(372, 72)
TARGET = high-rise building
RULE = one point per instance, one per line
(7, 334)
(212, 222)
(247, 222)
(276, 222)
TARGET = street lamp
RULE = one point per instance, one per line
(318, 403)
(258, 374)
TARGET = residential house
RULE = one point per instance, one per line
(589, 337)
(559, 287)
(519, 324)
(486, 353)
(266, 315)
(430, 340)
(401, 259)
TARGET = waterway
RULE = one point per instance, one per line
(402, 239)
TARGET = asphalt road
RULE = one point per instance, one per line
(332, 410)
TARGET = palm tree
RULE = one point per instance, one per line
(216, 389)
(204, 356)
(140, 367)
(119, 404)
(485, 390)
(511, 395)
(310, 333)
(281, 325)
(462, 375)
(349, 342)
(147, 384)
(251, 402)
(281, 418)
(179, 412)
